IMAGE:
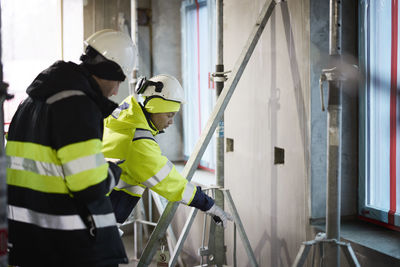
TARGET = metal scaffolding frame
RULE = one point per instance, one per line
(209, 130)
(216, 240)
(329, 243)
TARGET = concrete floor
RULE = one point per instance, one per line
(128, 243)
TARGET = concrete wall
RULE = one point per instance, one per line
(158, 46)
(103, 14)
(167, 59)
(319, 59)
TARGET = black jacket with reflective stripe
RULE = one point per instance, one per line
(73, 228)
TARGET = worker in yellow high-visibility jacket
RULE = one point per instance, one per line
(129, 138)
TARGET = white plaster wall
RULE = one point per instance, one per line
(270, 107)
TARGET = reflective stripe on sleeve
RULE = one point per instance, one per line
(78, 150)
(58, 222)
(62, 95)
(143, 134)
(83, 164)
(188, 193)
(112, 182)
(134, 190)
(161, 175)
(39, 167)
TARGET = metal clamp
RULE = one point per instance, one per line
(329, 75)
(219, 76)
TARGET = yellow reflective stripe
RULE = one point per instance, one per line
(31, 151)
(161, 175)
(188, 193)
(83, 164)
(58, 222)
(78, 150)
(85, 179)
(42, 168)
(37, 182)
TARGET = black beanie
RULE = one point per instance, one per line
(100, 66)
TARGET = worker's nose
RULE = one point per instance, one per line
(115, 92)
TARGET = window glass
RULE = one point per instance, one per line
(36, 33)
(380, 112)
(198, 53)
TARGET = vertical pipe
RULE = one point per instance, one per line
(220, 256)
(3, 190)
(62, 27)
(135, 241)
(334, 141)
(134, 36)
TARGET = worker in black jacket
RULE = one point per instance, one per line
(59, 213)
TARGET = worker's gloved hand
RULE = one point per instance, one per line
(219, 215)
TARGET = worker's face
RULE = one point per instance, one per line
(107, 87)
(162, 120)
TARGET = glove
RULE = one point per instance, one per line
(219, 215)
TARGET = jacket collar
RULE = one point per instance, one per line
(149, 121)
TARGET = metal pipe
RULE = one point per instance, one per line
(334, 140)
(3, 183)
(135, 37)
(335, 23)
(219, 238)
(182, 238)
(242, 233)
(135, 239)
(203, 237)
(209, 130)
(62, 27)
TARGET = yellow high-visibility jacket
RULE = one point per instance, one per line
(129, 138)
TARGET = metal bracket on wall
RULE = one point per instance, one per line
(328, 75)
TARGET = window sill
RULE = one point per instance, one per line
(368, 239)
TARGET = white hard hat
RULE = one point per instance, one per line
(115, 46)
(163, 85)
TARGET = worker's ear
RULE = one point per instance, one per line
(141, 85)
